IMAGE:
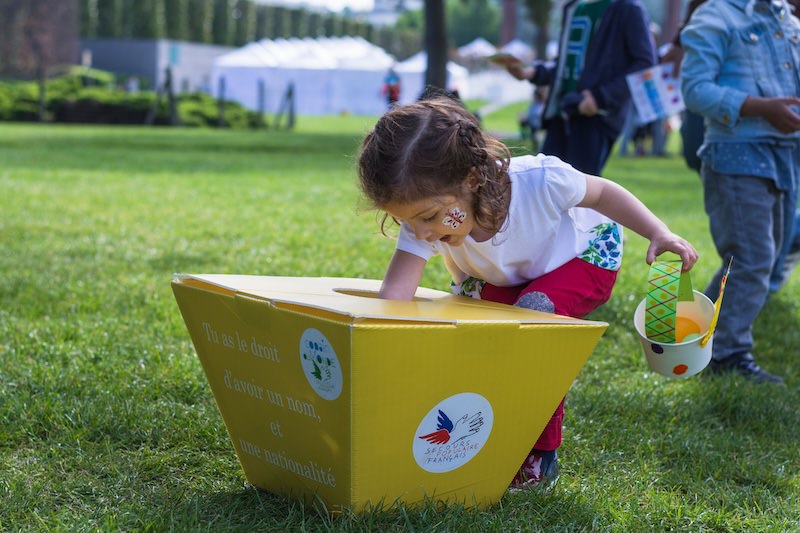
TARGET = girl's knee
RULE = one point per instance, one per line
(538, 301)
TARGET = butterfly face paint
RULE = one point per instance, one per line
(454, 218)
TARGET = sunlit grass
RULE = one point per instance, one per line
(108, 421)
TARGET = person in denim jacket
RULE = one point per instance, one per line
(741, 72)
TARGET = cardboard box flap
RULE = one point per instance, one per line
(357, 298)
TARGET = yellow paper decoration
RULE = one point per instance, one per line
(717, 306)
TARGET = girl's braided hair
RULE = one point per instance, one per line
(429, 148)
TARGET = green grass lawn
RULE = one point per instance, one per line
(108, 423)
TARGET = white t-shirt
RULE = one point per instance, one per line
(543, 230)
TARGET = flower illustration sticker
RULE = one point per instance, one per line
(454, 218)
(320, 364)
(453, 432)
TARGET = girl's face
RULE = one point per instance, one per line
(440, 218)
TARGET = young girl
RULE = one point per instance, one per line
(528, 231)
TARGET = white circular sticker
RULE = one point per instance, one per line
(453, 432)
(320, 364)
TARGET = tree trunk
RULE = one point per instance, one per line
(539, 15)
(508, 27)
(672, 20)
(436, 44)
(540, 42)
(41, 78)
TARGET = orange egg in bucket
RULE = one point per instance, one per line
(675, 328)
(684, 327)
(687, 355)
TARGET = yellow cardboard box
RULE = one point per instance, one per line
(325, 389)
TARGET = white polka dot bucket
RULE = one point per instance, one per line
(691, 354)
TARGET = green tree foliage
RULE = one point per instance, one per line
(369, 32)
(158, 19)
(222, 25)
(264, 21)
(177, 19)
(333, 26)
(385, 38)
(110, 18)
(402, 43)
(147, 19)
(411, 20)
(348, 26)
(470, 19)
(200, 17)
(539, 13)
(298, 22)
(245, 21)
(315, 28)
(408, 44)
(281, 23)
(237, 22)
(88, 20)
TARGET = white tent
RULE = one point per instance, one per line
(519, 49)
(328, 75)
(480, 48)
(412, 77)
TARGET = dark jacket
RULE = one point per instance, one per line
(622, 44)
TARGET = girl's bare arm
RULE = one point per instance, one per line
(402, 277)
(619, 204)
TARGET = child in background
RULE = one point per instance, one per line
(535, 111)
(529, 231)
(391, 88)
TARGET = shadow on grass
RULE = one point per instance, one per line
(252, 509)
(248, 509)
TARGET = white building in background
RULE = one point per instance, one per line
(148, 61)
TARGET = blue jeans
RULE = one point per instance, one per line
(627, 132)
(788, 257)
(581, 141)
(748, 217)
(659, 132)
(692, 131)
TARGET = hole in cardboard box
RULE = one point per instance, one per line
(371, 294)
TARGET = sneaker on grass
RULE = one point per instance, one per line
(745, 366)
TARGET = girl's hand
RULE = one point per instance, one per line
(670, 242)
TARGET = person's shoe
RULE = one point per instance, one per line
(745, 366)
(540, 470)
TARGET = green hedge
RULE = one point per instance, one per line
(80, 98)
(19, 101)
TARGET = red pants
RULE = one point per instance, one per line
(575, 288)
